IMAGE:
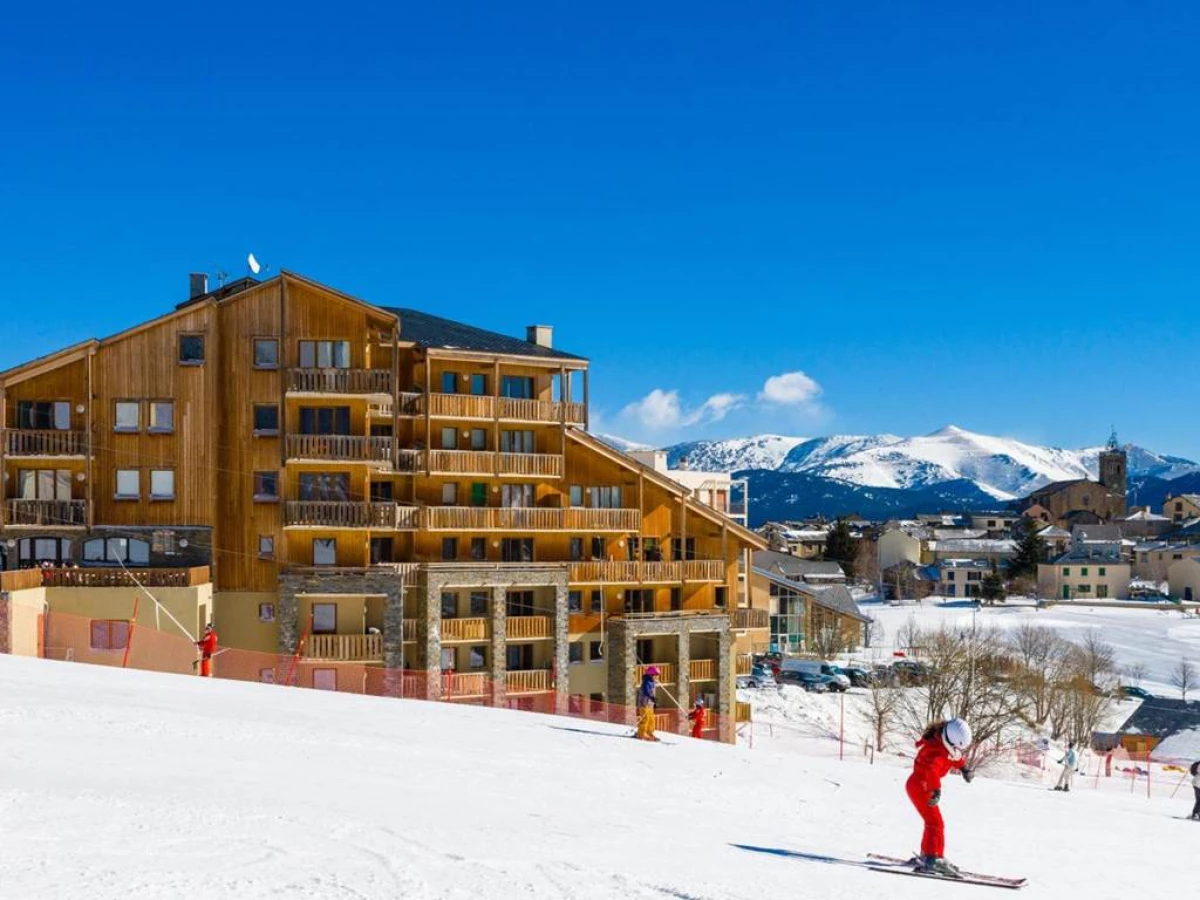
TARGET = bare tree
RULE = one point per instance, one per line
(874, 634)
(1135, 673)
(883, 712)
(1097, 661)
(908, 638)
(867, 563)
(1183, 676)
(1040, 655)
(827, 640)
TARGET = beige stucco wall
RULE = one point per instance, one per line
(24, 609)
(1115, 579)
(192, 606)
(235, 615)
(1183, 575)
(1155, 564)
(895, 547)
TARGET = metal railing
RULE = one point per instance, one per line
(339, 381)
(24, 442)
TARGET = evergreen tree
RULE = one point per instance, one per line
(842, 548)
(1031, 550)
(992, 588)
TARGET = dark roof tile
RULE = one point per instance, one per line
(433, 331)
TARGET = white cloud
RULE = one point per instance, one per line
(790, 389)
(660, 410)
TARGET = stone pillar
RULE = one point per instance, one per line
(683, 665)
(393, 641)
(498, 653)
(287, 617)
(5, 624)
(429, 638)
(562, 659)
(621, 662)
(726, 688)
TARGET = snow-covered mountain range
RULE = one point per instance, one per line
(951, 462)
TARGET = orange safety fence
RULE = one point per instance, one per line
(161, 647)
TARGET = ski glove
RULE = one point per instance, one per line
(968, 773)
(935, 797)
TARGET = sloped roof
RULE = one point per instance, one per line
(1104, 533)
(838, 598)
(795, 567)
(1161, 716)
(428, 330)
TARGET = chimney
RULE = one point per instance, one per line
(542, 335)
(682, 465)
(197, 284)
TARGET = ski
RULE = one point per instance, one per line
(898, 866)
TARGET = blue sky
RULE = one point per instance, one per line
(933, 214)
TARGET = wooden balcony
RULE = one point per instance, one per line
(507, 409)
(20, 442)
(523, 628)
(47, 514)
(345, 647)
(409, 631)
(744, 664)
(467, 684)
(666, 672)
(20, 579)
(624, 572)
(744, 618)
(338, 514)
(339, 381)
(405, 572)
(461, 630)
(702, 670)
(527, 681)
(193, 577)
(484, 518)
(487, 463)
(339, 447)
(742, 711)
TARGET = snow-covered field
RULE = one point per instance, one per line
(121, 784)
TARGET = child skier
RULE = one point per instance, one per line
(1195, 772)
(939, 750)
(696, 717)
(1069, 761)
(646, 703)
(207, 646)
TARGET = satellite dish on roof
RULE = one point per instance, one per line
(255, 268)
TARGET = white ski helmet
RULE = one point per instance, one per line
(956, 735)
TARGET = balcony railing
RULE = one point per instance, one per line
(461, 406)
(20, 579)
(751, 618)
(197, 575)
(409, 631)
(527, 681)
(666, 672)
(702, 670)
(485, 462)
(345, 647)
(47, 513)
(21, 442)
(745, 662)
(483, 518)
(651, 572)
(339, 514)
(474, 406)
(341, 447)
(339, 381)
(517, 628)
(468, 684)
(404, 572)
(465, 630)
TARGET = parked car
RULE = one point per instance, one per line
(1130, 692)
(762, 676)
(810, 681)
(816, 667)
(909, 671)
(859, 677)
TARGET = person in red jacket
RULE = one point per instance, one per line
(696, 717)
(208, 648)
(939, 750)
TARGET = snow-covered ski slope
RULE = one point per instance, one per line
(134, 785)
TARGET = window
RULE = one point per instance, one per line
(44, 484)
(596, 698)
(576, 546)
(382, 492)
(37, 550)
(266, 675)
(266, 419)
(519, 603)
(163, 542)
(324, 420)
(266, 487)
(478, 439)
(1066, 570)
(516, 495)
(575, 653)
(599, 548)
(639, 601)
(607, 497)
(1083, 572)
(479, 548)
(596, 653)
(516, 549)
(162, 484)
(450, 548)
(719, 596)
(682, 550)
(449, 605)
(516, 442)
(676, 599)
(598, 601)
(381, 550)
(329, 487)
(518, 386)
(1101, 571)
(325, 679)
(324, 354)
(575, 495)
(266, 353)
(950, 575)
(44, 415)
(449, 382)
(478, 493)
(651, 549)
(477, 657)
(266, 546)
(324, 618)
(1084, 589)
(109, 634)
(266, 612)
(479, 385)
(162, 416)
(127, 418)
(575, 601)
(1102, 591)
(110, 550)
(449, 494)
(191, 349)
(479, 603)
(448, 659)
(324, 551)
(519, 657)
(449, 438)
(129, 486)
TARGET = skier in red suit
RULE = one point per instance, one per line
(208, 648)
(939, 750)
(696, 717)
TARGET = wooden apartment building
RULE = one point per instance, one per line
(396, 488)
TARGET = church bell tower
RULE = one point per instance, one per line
(1112, 475)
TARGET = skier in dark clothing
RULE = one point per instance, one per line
(646, 702)
(1195, 772)
(939, 750)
